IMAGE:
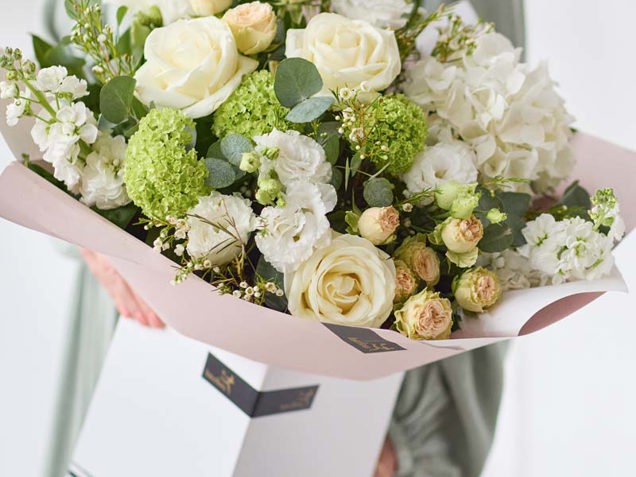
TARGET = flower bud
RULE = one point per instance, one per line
(406, 282)
(462, 235)
(269, 190)
(250, 162)
(425, 316)
(496, 216)
(378, 224)
(459, 199)
(477, 290)
(253, 26)
(421, 259)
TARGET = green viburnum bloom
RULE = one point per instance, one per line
(163, 175)
(252, 109)
(398, 133)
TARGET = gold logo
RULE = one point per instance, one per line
(224, 382)
(302, 401)
(372, 347)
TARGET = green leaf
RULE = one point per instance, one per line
(234, 146)
(121, 13)
(576, 196)
(497, 238)
(267, 272)
(296, 80)
(331, 145)
(310, 109)
(378, 192)
(121, 216)
(352, 219)
(40, 49)
(336, 178)
(116, 99)
(221, 173)
(515, 203)
(356, 162)
(62, 55)
(215, 151)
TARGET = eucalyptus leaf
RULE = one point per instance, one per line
(215, 151)
(234, 146)
(497, 238)
(378, 192)
(310, 109)
(576, 196)
(220, 173)
(116, 99)
(296, 80)
(515, 205)
(331, 145)
(336, 178)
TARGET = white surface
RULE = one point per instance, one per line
(568, 407)
(155, 412)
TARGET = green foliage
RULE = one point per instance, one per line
(121, 216)
(576, 197)
(268, 273)
(497, 238)
(310, 109)
(116, 99)
(234, 146)
(378, 192)
(220, 173)
(296, 80)
(252, 109)
(163, 175)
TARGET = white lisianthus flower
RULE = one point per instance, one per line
(348, 53)
(192, 65)
(509, 114)
(102, 181)
(290, 234)
(222, 230)
(299, 157)
(567, 250)
(349, 282)
(453, 161)
(173, 10)
(391, 14)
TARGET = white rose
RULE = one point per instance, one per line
(444, 162)
(191, 65)
(378, 224)
(102, 181)
(347, 52)
(173, 10)
(350, 282)
(253, 25)
(290, 234)
(227, 226)
(392, 14)
(299, 157)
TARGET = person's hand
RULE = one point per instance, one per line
(128, 303)
(387, 465)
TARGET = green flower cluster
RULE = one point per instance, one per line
(398, 133)
(163, 176)
(252, 109)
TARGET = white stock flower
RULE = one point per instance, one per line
(349, 282)
(291, 233)
(173, 10)
(226, 226)
(513, 270)
(347, 53)
(8, 90)
(567, 250)
(510, 114)
(391, 14)
(15, 110)
(453, 161)
(299, 157)
(102, 182)
(191, 65)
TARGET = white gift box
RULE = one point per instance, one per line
(168, 406)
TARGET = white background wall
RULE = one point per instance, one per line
(569, 402)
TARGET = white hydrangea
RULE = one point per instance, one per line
(299, 158)
(569, 249)
(510, 114)
(290, 234)
(102, 182)
(443, 162)
(391, 14)
(227, 223)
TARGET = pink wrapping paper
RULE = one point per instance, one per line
(194, 309)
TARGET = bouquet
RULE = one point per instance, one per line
(312, 158)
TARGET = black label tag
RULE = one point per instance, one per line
(363, 339)
(252, 402)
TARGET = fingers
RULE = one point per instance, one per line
(127, 302)
(387, 463)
